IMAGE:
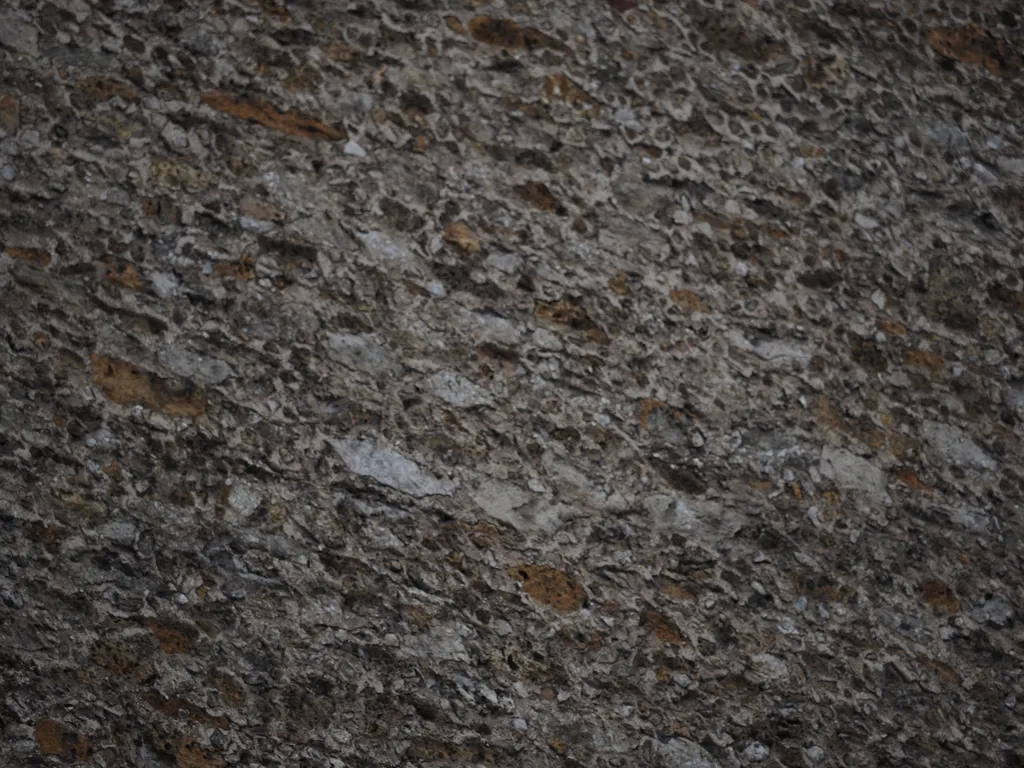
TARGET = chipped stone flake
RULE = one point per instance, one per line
(682, 753)
(352, 149)
(244, 497)
(547, 340)
(443, 643)
(164, 284)
(250, 224)
(864, 221)
(362, 352)
(780, 351)
(767, 668)
(388, 251)
(954, 445)
(487, 326)
(457, 390)
(175, 136)
(703, 518)
(388, 467)
(501, 500)
(851, 472)
(189, 365)
(18, 35)
(995, 611)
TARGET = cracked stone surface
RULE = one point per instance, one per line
(454, 382)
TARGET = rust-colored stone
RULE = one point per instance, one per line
(459, 234)
(922, 358)
(539, 196)
(173, 636)
(98, 89)
(908, 477)
(192, 755)
(50, 737)
(264, 113)
(454, 25)
(129, 277)
(55, 739)
(120, 659)
(499, 32)
(976, 47)
(232, 692)
(662, 627)
(243, 268)
(10, 113)
(560, 746)
(37, 257)
(550, 587)
(940, 596)
(567, 315)
(126, 384)
(689, 301)
(161, 207)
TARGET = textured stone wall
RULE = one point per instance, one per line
(439, 383)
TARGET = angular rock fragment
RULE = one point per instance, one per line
(995, 611)
(387, 251)
(18, 35)
(956, 446)
(682, 753)
(457, 390)
(514, 506)
(190, 365)
(388, 467)
(852, 472)
(767, 668)
(362, 352)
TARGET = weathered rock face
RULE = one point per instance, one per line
(543, 384)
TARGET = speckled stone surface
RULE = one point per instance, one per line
(449, 383)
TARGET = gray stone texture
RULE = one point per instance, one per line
(458, 383)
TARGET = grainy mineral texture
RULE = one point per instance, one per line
(514, 383)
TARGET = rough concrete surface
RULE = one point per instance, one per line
(453, 382)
